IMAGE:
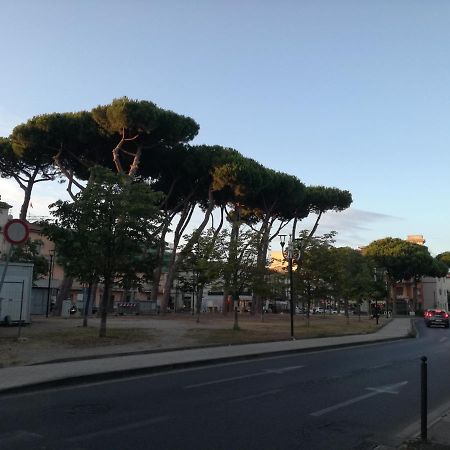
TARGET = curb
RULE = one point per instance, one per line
(125, 373)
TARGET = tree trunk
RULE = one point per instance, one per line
(159, 265)
(86, 306)
(415, 294)
(111, 300)
(198, 303)
(171, 272)
(308, 309)
(227, 277)
(104, 306)
(225, 304)
(63, 294)
(393, 299)
(26, 198)
(175, 262)
(346, 311)
(261, 261)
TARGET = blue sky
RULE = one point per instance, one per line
(352, 94)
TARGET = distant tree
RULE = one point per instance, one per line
(115, 221)
(240, 269)
(316, 200)
(199, 187)
(439, 268)
(274, 211)
(352, 276)
(202, 265)
(122, 136)
(27, 165)
(445, 258)
(402, 260)
(314, 277)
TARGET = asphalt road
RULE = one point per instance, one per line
(352, 398)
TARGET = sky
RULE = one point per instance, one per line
(352, 93)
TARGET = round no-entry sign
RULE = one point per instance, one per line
(16, 231)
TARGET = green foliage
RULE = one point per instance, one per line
(315, 275)
(401, 259)
(202, 265)
(439, 268)
(320, 199)
(9, 163)
(29, 253)
(108, 231)
(27, 168)
(445, 258)
(210, 261)
(144, 118)
(354, 276)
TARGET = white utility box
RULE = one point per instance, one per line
(15, 294)
(65, 310)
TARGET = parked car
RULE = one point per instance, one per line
(436, 317)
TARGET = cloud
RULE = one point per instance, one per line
(355, 227)
(356, 219)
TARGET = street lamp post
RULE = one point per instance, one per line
(235, 260)
(379, 276)
(290, 250)
(50, 273)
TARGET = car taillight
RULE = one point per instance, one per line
(446, 315)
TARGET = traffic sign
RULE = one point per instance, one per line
(16, 231)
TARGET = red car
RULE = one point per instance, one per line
(436, 317)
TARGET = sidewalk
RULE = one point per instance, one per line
(103, 367)
(17, 379)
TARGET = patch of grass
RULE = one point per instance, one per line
(221, 336)
(88, 337)
(253, 331)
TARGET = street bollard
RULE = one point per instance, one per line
(424, 399)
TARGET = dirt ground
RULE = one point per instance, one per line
(54, 338)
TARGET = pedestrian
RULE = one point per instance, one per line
(377, 313)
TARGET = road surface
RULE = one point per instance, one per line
(338, 399)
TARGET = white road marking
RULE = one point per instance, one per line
(243, 377)
(380, 366)
(118, 429)
(388, 389)
(225, 380)
(250, 397)
(283, 369)
(443, 350)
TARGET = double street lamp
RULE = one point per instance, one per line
(289, 257)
